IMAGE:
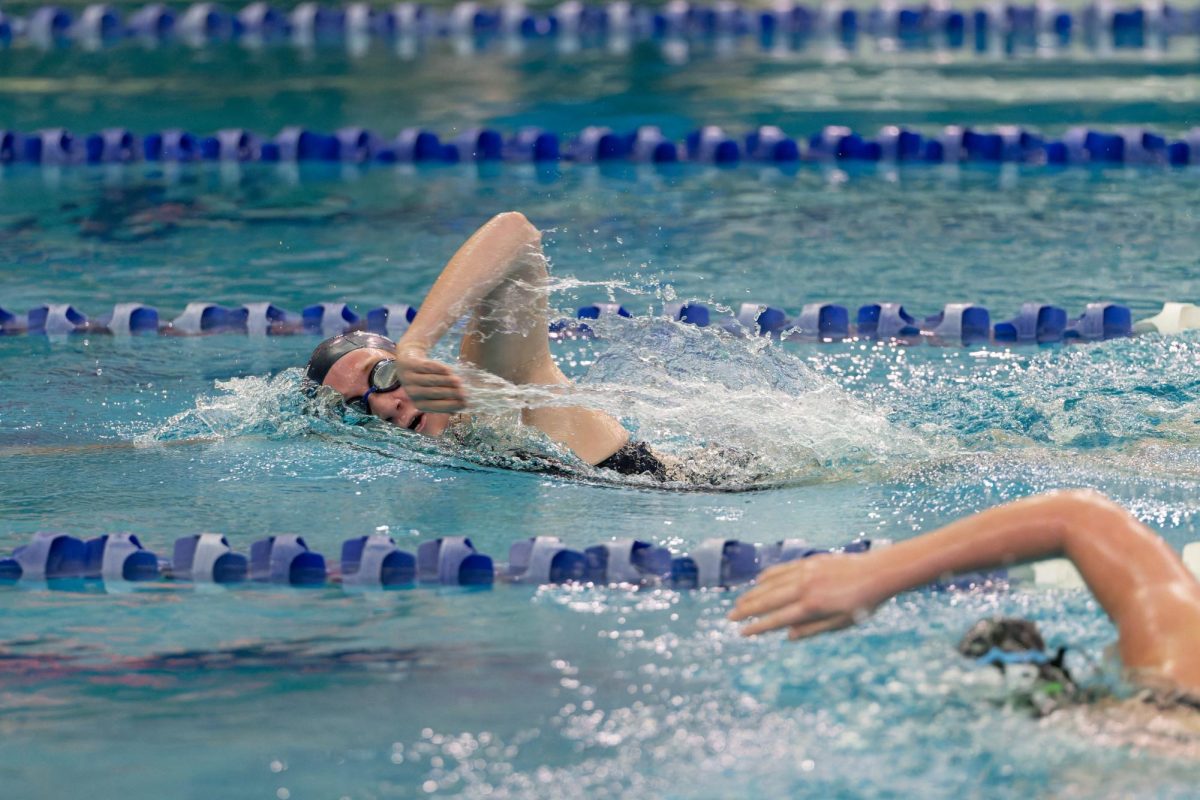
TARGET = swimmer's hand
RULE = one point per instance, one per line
(431, 385)
(811, 596)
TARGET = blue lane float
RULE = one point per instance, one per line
(544, 559)
(376, 561)
(56, 319)
(267, 318)
(49, 556)
(205, 318)
(716, 563)
(822, 322)
(960, 324)
(886, 321)
(786, 550)
(130, 319)
(119, 556)
(286, 559)
(761, 320)
(1101, 321)
(627, 561)
(649, 146)
(597, 144)
(390, 320)
(690, 313)
(328, 319)
(207, 558)
(1036, 323)
(770, 143)
(453, 561)
(532, 144)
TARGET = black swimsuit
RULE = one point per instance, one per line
(635, 458)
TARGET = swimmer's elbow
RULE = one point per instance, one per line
(1092, 516)
(517, 224)
(1086, 500)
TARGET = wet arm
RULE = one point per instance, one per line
(506, 247)
(1137, 578)
(499, 277)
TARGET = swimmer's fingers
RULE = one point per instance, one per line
(834, 623)
(798, 613)
(440, 384)
(431, 373)
(775, 587)
(428, 384)
(446, 399)
(440, 406)
(761, 599)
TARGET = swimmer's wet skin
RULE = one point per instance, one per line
(1138, 579)
(499, 278)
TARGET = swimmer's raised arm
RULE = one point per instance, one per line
(1137, 578)
(501, 248)
(499, 276)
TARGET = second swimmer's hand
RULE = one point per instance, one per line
(810, 596)
(431, 385)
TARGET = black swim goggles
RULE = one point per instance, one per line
(384, 378)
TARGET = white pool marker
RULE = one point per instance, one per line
(1191, 557)
(1174, 318)
(1059, 573)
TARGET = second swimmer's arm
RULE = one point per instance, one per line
(1145, 588)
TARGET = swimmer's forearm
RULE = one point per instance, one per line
(1113, 552)
(1025, 530)
(491, 254)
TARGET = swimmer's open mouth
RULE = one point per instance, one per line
(416, 422)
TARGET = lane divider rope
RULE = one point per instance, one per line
(594, 144)
(59, 561)
(956, 324)
(309, 22)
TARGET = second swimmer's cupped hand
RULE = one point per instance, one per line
(810, 596)
(431, 385)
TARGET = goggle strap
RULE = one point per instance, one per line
(1000, 657)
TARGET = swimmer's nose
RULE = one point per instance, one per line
(392, 406)
(401, 410)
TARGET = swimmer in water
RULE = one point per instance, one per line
(1144, 587)
(498, 277)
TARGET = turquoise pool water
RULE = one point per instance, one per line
(574, 692)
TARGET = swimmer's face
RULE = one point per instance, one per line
(350, 377)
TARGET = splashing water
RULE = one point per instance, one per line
(732, 412)
(1115, 393)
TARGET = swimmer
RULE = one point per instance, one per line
(1141, 583)
(499, 278)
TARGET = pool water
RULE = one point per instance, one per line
(574, 691)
